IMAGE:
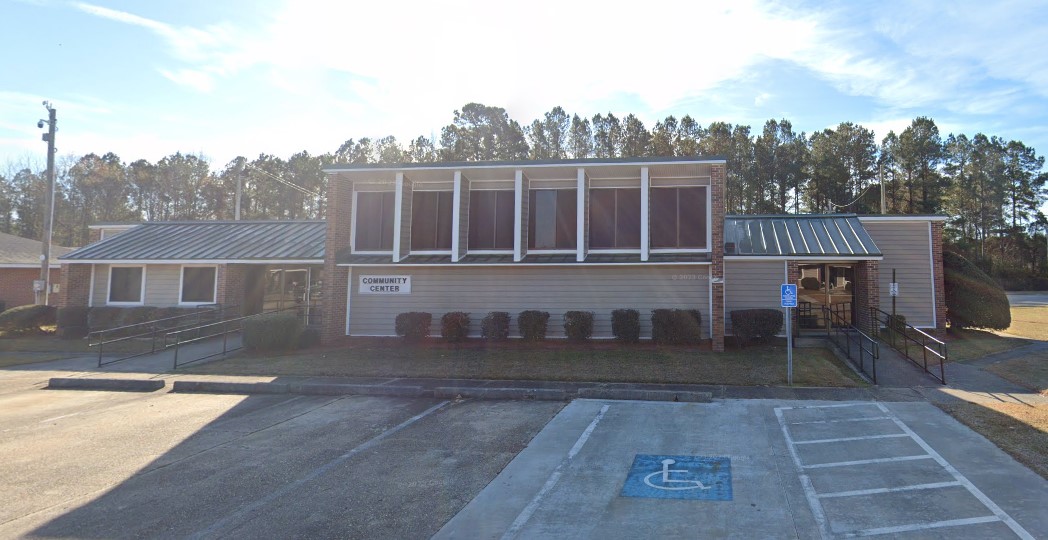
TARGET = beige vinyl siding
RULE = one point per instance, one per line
(162, 285)
(751, 285)
(906, 248)
(478, 290)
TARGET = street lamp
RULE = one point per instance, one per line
(42, 288)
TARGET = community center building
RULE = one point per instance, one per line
(599, 235)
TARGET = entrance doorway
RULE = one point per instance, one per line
(827, 285)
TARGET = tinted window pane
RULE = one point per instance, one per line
(543, 224)
(664, 218)
(198, 284)
(424, 219)
(482, 219)
(627, 218)
(125, 284)
(374, 221)
(567, 213)
(602, 218)
(445, 208)
(693, 217)
(504, 216)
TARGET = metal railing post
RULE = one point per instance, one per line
(178, 339)
(225, 335)
(100, 342)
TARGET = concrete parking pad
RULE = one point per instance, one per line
(797, 470)
(161, 465)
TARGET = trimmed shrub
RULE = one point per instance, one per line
(104, 317)
(532, 324)
(495, 325)
(973, 299)
(26, 319)
(454, 326)
(310, 337)
(72, 322)
(625, 325)
(413, 325)
(578, 325)
(272, 331)
(676, 326)
(759, 324)
(811, 284)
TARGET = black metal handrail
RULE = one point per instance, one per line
(151, 330)
(897, 328)
(837, 327)
(201, 329)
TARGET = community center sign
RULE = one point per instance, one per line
(385, 285)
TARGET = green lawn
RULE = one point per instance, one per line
(756, 365)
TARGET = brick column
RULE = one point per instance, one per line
(230, 286)
(334, 293)
(717, 175)
(866, 292)
(76, 285)
(793, 275)
(937, 272)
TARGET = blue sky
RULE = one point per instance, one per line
(237, 77)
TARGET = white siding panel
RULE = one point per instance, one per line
(478, 290)
(751, 285)
(906, 248)
(101, 285)
(162, 281)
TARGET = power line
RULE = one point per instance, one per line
(855, 200)
(282, 181)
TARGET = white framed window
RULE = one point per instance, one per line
(680, 219)
(373, 216)
(127, 285)
(198, 285)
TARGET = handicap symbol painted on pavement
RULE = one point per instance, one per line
(679, 477)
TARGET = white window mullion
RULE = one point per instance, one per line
(645, 231)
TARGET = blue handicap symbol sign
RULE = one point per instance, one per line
(679, 477)
(789, 295)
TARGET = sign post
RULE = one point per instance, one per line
(788, 300)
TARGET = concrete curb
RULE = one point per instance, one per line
(216, 387)
(634, 394)
(544, 394)
(330, 389)
(118, 385)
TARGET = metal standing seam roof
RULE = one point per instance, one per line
(801, 235)
(211, 240)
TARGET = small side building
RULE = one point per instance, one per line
(20, 266)
(252, 266)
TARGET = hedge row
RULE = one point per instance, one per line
(669, 326)
(26, 319)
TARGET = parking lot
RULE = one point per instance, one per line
(106, 464)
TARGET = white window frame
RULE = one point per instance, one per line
(182, 281)
(353, 225)
(454, 230)
(141, 290)
(614, 250)
(709, 222)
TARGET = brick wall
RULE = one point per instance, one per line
(717, 175)
(793, 275)
(866, 294)
(334, 294)
(231, 279)
(940, 286)
(16, 286)
(76, 285)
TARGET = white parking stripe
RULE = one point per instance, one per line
(864, 419)
(913, 487)
(809, 489)
(865, 461)
(551, 482)
(922, 526)
(992, 506)
(959, 480)
(846, 439)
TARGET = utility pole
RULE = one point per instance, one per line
(880, 174)
(45, 256)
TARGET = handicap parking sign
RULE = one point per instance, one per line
(789, 295)
(679, 477)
